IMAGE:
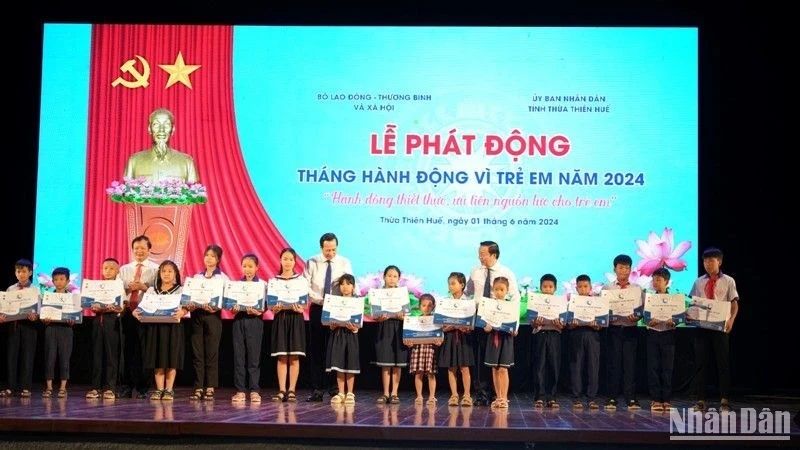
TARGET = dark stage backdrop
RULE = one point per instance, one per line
(743, 162)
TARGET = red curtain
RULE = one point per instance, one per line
(205, 128)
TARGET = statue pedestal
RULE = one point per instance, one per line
(167, 226)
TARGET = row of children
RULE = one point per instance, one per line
(162, 344)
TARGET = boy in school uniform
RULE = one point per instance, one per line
(137, 276)
(547, 351)
(22, 337)
(105, 341)
(58, 341)
(660, 351)
(585, 351)
(714, 285)
(623, 336)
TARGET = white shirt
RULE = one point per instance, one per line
(477, 278)
(315, 274)
(127, 274)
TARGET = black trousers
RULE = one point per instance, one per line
(660, 362)
(57, 347)
(584, 357)
(622, 342)
(106, 330)
(247, 333)
(206, 335)
(710, 344)
(22, 337)
(133, 375)
(547, 363)
(317, 344)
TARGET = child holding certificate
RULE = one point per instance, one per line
(288, 334)
(248, 329)
(714, 285)
(342, 352)
(57, 341)
(163, 350)
(22, 337)
(660, 351)
(500, 349)
(623, 335)
(585, 350)
(105, 341)
(391, 354)
(456, 353)
(206, 332)
(423, 358)
(547, 348)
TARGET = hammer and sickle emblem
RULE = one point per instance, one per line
(140, 78)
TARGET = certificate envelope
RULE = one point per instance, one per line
(421, 330)
(547, 306)
(103, 292)
(708, 313)
(665, 307)
(15, 305)
(287, 292)
(341, 310)
(61, 307)
(624, 302)
(245, 294)
(586, 309)
(456, 312)
(155, 308)
(203, 291)
(391, 301)
(502, 315)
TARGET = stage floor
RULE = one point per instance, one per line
(366, 421)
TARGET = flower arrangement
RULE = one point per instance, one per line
(166, 192)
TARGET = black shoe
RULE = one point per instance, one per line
(611, 405)
(316, 396)
(633, 405)
(141, 395)
(125, 393)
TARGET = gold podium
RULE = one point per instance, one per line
(167, 226)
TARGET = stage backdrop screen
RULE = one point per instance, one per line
(566, 146)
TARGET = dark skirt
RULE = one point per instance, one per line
(501, 353)
(456, 351)
(423, 359)
(288, 334)
(163, 346)
(342, 353)
(389, 348)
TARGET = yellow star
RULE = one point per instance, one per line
(179, 72)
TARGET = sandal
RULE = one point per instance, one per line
(594, 405)
(156, 395)
(656, 406)
(291, 397)
(453, 400)
(108, 394)
(350, 399)
(25, 394)
(577, 405)
(552, 404)
(209, 395)
(168, 394)
(94, 393)
(502, 403)
(431, 401)
(62, 393)
(394, 400)
(337, 399)
(725, 406)
(255, 397)
(418, 400)
(466, 400)
(7, 393)
(382, 400)
(279, 397)
(197, 394)
(47, 393)
(538, 404)
(495, 403)
(667, 406)
(239, 397)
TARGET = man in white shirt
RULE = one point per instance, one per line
(322, 272)
(137, 276)
(479, 285)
